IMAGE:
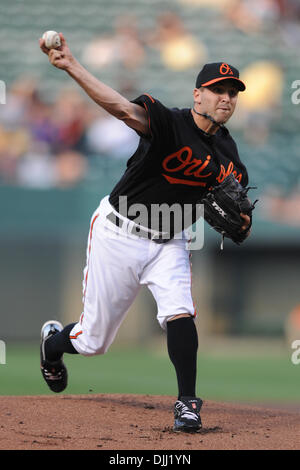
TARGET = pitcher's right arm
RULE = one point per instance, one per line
(113, 102)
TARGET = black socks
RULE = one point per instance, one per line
(182, 342)
(59, 343)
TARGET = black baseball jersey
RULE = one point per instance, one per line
(177, 162)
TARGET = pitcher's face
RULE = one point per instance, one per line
(217, 100)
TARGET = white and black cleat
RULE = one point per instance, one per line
(54, 372)
(187, 414)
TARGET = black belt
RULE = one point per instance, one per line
(137, 230)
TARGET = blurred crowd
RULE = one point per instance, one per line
(128, 47)
(45, 145)
(253, 15)
(50, 144)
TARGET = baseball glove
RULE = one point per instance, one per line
(223, 206)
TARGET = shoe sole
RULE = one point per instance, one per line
(49, 323)
(184, 427)
(187, 430)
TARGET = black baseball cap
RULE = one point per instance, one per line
(217, 71)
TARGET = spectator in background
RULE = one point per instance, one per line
(123, 47)
(40, 123)
(21, 97)
(289, 22)
(70, 168)
(252, 16)
(36, 168)
(70, 118)
(122, 50)
(261, 104)
(110, 137)
(56, 159)
(14, 143)
(178, 49)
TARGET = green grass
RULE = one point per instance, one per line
(252, 379)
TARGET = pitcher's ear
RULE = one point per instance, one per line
(197, 95)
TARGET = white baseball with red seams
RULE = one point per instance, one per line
(52, 39)
(118, 264)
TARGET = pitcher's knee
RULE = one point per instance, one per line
(89, 346)
(163, 320)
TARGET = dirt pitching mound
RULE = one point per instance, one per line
(138, 422)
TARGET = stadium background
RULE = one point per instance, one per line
(59, 154)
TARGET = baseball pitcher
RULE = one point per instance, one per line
(183, 156)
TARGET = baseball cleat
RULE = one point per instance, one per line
(187, 414)
(54, 372)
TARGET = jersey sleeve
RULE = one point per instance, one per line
(159, 117)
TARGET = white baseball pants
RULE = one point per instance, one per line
(118, 264)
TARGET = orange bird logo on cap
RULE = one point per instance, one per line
(225, 69)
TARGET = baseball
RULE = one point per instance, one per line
(52, 39)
